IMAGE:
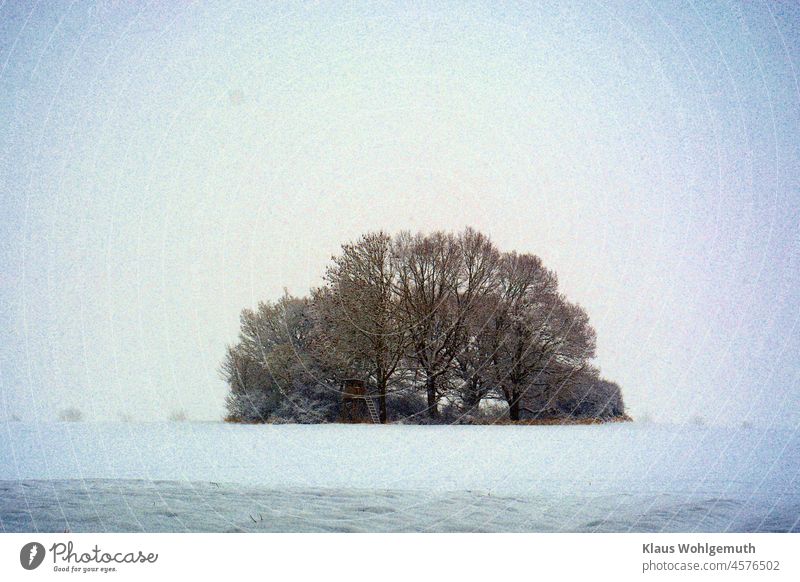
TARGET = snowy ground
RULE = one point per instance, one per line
(217, 477)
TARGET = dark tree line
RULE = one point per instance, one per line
(441, 327)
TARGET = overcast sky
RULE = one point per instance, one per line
(162, 167)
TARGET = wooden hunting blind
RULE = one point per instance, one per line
(357, 405)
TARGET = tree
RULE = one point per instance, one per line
(534, 330)
(359, 312)
(276, 367)
(441, 280)
(429, 265)
(253, 397)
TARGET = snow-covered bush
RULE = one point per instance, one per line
(406, 406)
(178, 416)
(590, 397)
(276, 371)
(71, 414)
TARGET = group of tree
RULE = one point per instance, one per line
(440, 327)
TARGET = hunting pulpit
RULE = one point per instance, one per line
(357, 405)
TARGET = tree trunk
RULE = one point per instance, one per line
(430, 387)
(382, 404)
(513, 406)
(381, 382)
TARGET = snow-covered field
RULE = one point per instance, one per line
(218, 477)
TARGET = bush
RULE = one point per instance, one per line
(406, 406)
(178, 416)
(251, 405)
(70, 415)
(698, 421)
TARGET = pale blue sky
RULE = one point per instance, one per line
(162, 167)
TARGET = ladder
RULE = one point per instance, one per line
(373, 410)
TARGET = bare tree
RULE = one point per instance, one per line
(359, 312)
(429, 265)
(442, 278)
(475, 295)
(534, 329)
